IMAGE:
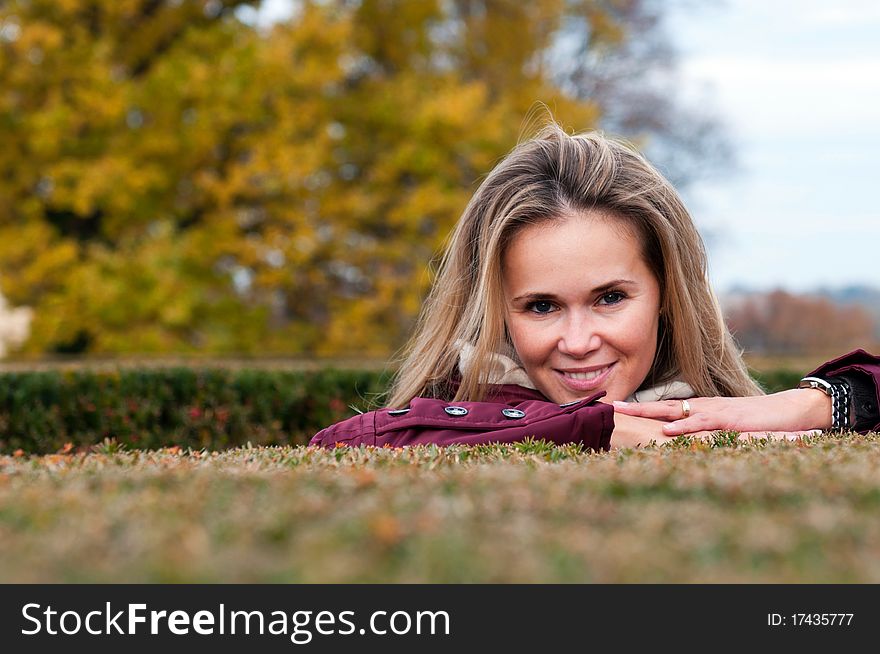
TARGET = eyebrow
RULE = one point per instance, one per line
(552, 296)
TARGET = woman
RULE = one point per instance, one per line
(576, 278)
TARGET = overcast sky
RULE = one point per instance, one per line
(797, 83)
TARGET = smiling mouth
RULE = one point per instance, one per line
(585, 380)
(586, 376)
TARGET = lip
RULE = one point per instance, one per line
(584, 384)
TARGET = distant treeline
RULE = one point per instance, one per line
(784, 323)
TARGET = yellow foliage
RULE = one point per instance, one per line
(175, 179)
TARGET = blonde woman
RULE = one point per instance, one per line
(573, 304)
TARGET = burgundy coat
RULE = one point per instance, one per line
(862, 371)
(514, 413)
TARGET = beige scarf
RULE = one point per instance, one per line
(504, 370)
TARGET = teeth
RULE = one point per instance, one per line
(585, 376)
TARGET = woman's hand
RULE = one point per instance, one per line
(797, 412)
(631, 431)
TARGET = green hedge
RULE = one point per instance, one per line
(41, 412)
(778, 380)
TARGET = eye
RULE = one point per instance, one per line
(612, 297)
(541, 307)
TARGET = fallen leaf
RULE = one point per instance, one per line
(386, 529)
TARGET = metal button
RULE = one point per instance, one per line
(456, 410)
(562, 406)
(397, 412)
(513, 413)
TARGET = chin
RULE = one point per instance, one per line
(566, 395)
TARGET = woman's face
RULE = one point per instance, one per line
(582, 307)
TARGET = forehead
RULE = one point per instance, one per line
(580, 249)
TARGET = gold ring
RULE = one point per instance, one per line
(685, 408)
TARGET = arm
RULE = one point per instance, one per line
(587, 422)
(427, 422)
(794, 410)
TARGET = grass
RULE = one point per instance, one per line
(721, 511)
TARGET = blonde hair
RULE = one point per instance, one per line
(545, 178)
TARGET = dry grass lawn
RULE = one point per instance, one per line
(725, 511)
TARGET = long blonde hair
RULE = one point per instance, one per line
(544, 178)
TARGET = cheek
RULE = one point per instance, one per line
(529, 341)
(640, 339)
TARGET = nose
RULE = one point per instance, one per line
(579, 336)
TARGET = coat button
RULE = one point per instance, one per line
(397, 412)
(513, 413)
(456, 410)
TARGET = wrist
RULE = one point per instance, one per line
(838, 392)
(816, 407)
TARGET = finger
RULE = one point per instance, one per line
(661, 410)
(685, 426)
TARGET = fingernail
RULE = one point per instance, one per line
(620, 403)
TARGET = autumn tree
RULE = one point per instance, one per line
(779, 322)
(174, 178)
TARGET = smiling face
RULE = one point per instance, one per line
(582, 307)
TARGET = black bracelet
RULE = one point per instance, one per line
(839, 406)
